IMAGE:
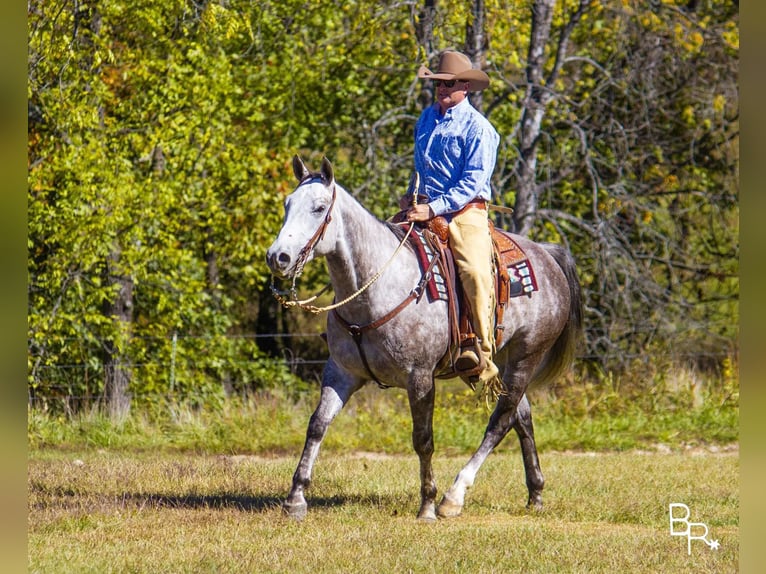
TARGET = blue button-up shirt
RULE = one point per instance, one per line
(455, 156)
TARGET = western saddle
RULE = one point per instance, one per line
(431, 241)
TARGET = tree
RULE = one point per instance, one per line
(124, 237)
(538, 94)
(160, 144)
(640, 125)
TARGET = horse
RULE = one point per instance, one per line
(403, 349)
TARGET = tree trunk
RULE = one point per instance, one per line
(213, 282)
(424, 28)
(476, 44)
(535, 100)
(424, 31)
(538, 94)
(117, 369)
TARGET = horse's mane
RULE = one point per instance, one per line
(400, 231)
(397, 229)
(312, 175)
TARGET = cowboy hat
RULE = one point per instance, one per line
(456, 66)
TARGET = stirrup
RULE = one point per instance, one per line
(467, 361)
(470, 361)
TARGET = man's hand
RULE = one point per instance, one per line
(420, 212)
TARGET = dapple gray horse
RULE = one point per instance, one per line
(404, 349)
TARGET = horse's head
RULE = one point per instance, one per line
(308, 212)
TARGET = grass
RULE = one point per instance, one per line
(101, 511)
(604, 416)
(175, 488)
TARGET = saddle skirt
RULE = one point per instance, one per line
(513, 274)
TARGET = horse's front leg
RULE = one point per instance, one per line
(421, 393)
(337, 388)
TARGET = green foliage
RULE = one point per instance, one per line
(160, 140)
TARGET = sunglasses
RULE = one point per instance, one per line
(447, 83)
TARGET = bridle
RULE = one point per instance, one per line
(356, 331)
(305, 253)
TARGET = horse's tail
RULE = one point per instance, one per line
(561, 354)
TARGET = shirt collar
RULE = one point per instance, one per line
(454, 110)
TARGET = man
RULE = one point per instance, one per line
(455, 153)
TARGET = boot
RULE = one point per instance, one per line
(467, 360)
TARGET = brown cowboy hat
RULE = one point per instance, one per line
(456, 66)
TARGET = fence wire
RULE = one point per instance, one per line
(56, 381)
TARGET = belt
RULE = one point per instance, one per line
(478, 202)
(473, 204)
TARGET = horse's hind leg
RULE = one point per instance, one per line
(525, 431)
(512, 411)
(337, 388)
(501, 421)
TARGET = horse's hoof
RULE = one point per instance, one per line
(535, 505)
(295, 510)
(448, 508)
(427, 515)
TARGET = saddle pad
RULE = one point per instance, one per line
(522, 278)
(512, 256)
(520, 272)
(508, 250)
(436, 287)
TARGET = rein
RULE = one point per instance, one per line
(306, 303)
(356, 331)
(303, 257)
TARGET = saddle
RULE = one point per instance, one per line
(431, 241)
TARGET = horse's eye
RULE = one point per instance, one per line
(318, 209)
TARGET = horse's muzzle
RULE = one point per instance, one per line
(280, 262)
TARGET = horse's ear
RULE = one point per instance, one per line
(327, 171)
(299, 168)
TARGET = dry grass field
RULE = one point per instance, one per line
(102, 511)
